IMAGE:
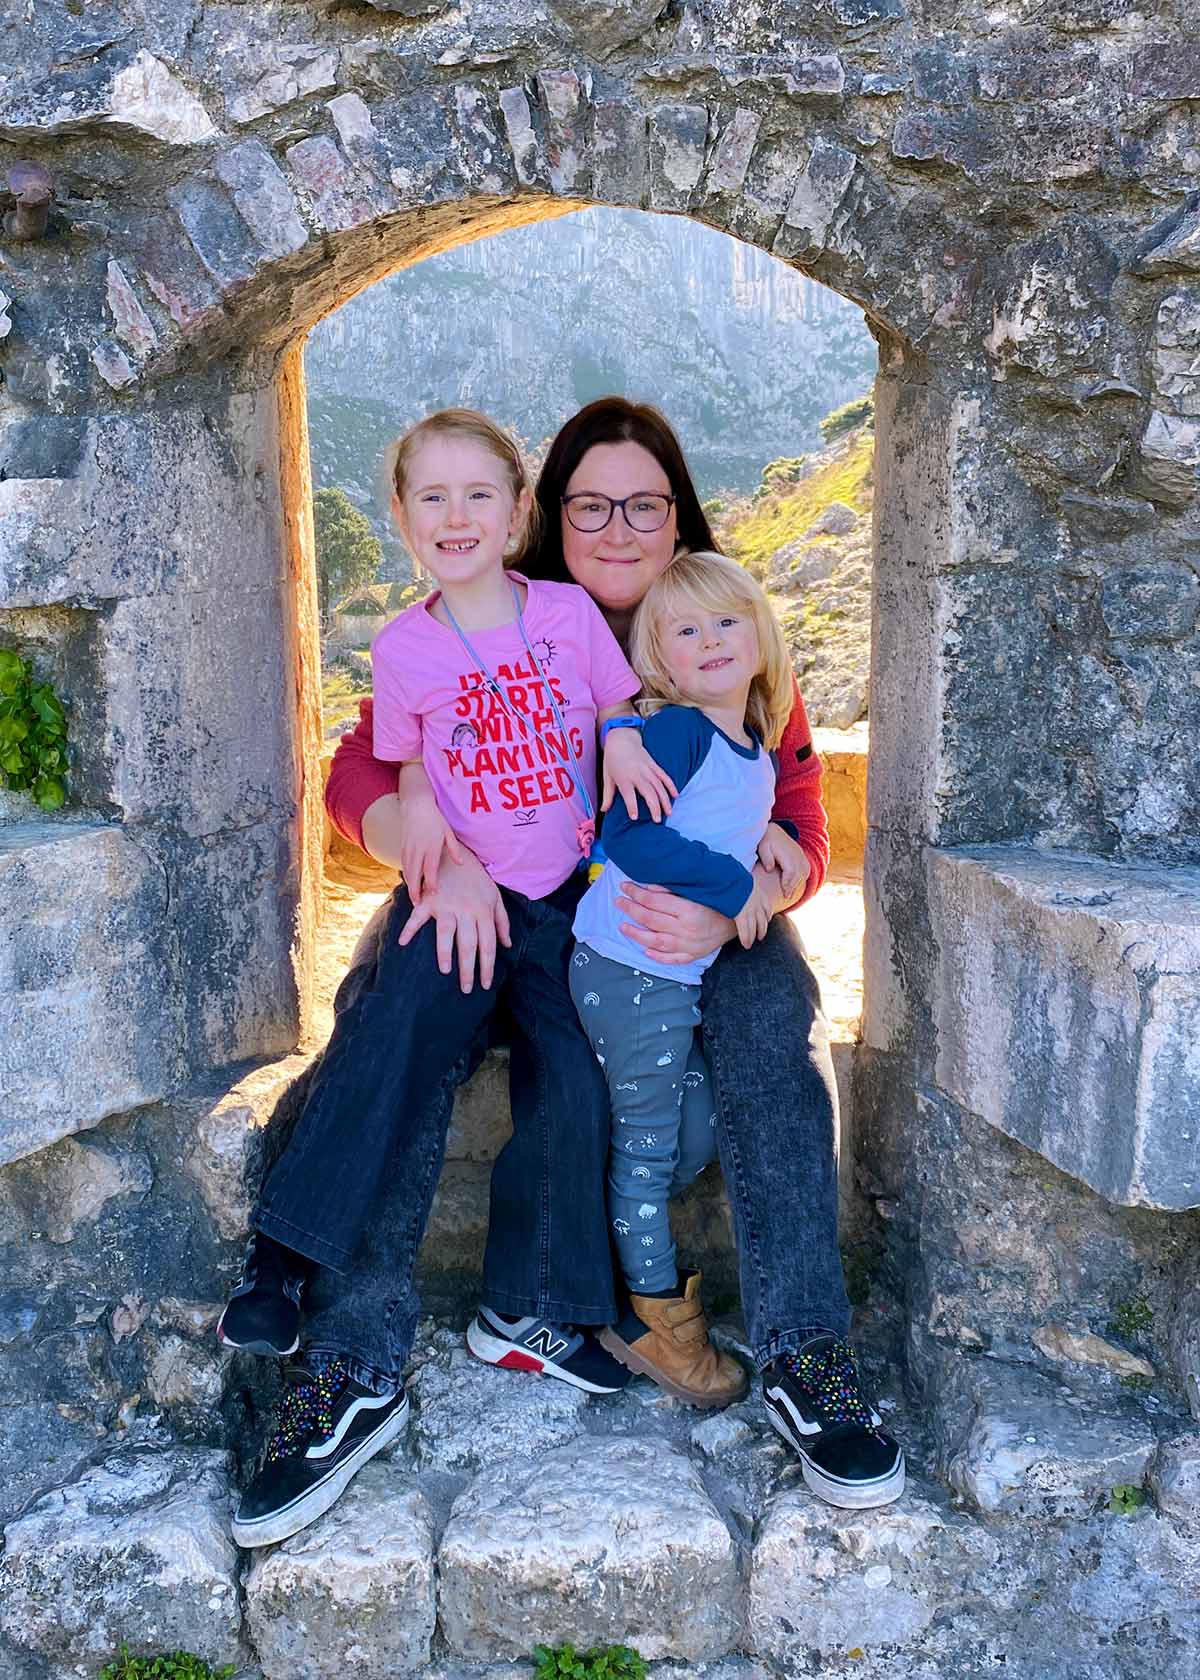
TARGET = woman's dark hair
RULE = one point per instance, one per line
(611, 420)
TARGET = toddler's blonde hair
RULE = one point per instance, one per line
(712, 583)
(470, 423)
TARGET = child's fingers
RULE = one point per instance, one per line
(454, 846)
(445, 945)
(500, 917)
(416, 921)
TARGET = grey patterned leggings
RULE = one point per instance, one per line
(643, 1030)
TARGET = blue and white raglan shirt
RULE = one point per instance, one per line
(704, 849)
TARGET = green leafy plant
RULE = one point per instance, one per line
(855, 413)
(1125, 1498)
(602, 1662)
(1137, 1381)
(1132, 1318)
(33, 733)
(174, 1665)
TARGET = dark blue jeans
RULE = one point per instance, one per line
(353, 1187)
(767, 1045)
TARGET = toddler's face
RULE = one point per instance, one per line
(458, 512)
(711, 657)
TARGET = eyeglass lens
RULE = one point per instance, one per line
(642, 513)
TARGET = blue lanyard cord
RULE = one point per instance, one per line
(494, 688)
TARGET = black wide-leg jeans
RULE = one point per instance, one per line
(353, 1187)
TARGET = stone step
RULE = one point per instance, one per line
(516, 1511)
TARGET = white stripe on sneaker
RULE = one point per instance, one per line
(367, 1403)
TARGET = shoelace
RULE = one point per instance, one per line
(829, 1376)
(306, 1409)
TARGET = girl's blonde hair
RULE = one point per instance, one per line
(469, 423)
(712, 583)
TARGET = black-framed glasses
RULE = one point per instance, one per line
(644, 510)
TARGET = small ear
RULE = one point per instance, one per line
(520, 512)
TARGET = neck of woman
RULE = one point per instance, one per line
(482, 603)
(620, 622)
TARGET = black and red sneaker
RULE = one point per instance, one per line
(814, 1398)
(554, 1350)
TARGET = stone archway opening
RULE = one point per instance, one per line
(777, 493)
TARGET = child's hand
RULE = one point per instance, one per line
(630, 770)
(754, 918)
(426, 835)
(777, 850)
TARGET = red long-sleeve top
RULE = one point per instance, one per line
(357, 779)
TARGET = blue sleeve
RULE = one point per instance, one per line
(654, 855)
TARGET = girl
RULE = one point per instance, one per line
(491, 689)
(717, 676)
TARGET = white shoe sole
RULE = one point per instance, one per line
(507, 1356)
(263, 1349)
(847, 1496)
(307, 1507)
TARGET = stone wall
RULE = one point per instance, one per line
(1010, 197)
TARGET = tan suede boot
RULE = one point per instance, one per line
(675, 1351)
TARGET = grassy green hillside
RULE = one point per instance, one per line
(752, 530)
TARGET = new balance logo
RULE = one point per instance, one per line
(545, 1342)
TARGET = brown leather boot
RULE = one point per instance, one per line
(674, 1348)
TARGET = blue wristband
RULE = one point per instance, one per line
(619, 723)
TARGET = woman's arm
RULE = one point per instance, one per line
(364, 806)
(798, 797)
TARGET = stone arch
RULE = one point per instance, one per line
(1011, 208)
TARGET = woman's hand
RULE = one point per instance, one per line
(468, 912)
(427, 835)
(630, 770)
(672, 929)
(777, 850)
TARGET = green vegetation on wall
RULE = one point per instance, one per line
(33, 733)
(845, 419)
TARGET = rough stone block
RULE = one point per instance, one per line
(221, 238)
(1067, 1008)
(1166, 463)
(352, 1594)
(1051, 316)
(340, 194)
(89, 1014)
(844, 791)
(262, 197)
(823, 183)
(228, 1142)
(604, 26)
(1175, 1478)
(732, 153)
(470, 1416)
(1173, 247)
(1156, 601)
(481, 1122)
(136, 1552)
(486, 158)
(829, 1580)
(1177, 352)
(426, 158)
(180, 675)
(678, 136)
(1033, 1448)
(605, 1542)
(619, 153)
(265, 82)
(561, 95)
(528, 159)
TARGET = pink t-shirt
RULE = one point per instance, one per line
(500, 771)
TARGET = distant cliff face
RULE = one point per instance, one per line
(744, 354)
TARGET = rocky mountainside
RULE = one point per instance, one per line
(806, 534)
(743, 353)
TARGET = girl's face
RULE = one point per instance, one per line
(618, 564)
(458, 513)
(711, 657)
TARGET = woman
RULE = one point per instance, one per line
(763, 1035)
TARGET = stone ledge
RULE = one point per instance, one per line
(1067, 1007)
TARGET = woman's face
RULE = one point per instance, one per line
(618, 564)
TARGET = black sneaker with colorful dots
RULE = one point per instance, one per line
(327, 1427)
(554, 1350)
(263, 1311)
(814, 1398)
